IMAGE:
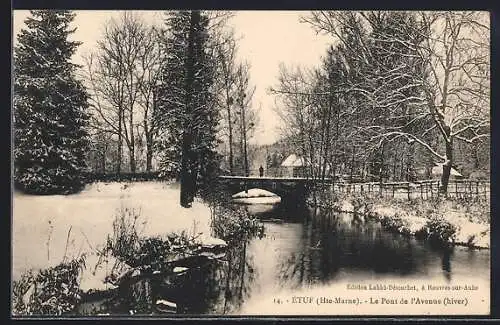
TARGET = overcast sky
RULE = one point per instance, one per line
(267, 38)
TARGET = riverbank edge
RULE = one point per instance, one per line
(92, 271)
(393, 218)
(97, 277)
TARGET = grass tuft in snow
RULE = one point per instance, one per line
(124, 240)
(129, 244)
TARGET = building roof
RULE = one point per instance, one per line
(293, 161)
(438, 170)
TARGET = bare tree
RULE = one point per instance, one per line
(443, 59)
(122, 74)
(295, 107)
(226, 57)
(234, 93)
(245, 115)
(147, 76)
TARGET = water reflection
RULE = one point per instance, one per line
(303, 249)
(330, 243)
(228, 283)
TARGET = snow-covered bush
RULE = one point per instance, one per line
(440, 230)
(50, 292)
(235, 224)
(362, 205)
(395, 223)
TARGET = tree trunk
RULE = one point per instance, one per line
(447, 167)
(103, 161)
(120, 143)
(132, 160)
(149, 158)
(188, 179)
(476, 157)
(382, 168)
(244, 131)
(149, 145)
(185, 176)
(352, 162)
(132, 143)
(230, 129)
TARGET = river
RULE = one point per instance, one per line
(326, 256)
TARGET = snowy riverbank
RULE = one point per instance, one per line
(46, 228)
(86, 250)
(454, 222)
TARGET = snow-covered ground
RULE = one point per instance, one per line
(474, 233)
(41, 224)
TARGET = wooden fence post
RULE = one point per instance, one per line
(409, 198)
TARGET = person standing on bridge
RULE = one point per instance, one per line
(261, 171)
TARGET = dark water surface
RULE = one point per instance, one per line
(306, 251)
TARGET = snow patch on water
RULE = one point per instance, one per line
(258, 200)
(256, 196)
(254, 192)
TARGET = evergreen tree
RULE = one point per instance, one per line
(186, 110)
(49, 107)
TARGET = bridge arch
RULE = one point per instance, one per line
(292, 191)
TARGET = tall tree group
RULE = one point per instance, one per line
(161, 95)
(186, 110)
(172, 97)
(122, 73)
(395, 82)
(235, 96)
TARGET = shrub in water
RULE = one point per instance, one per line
(395, 223)
(362, 205)
(440, 230)
(232, 224)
